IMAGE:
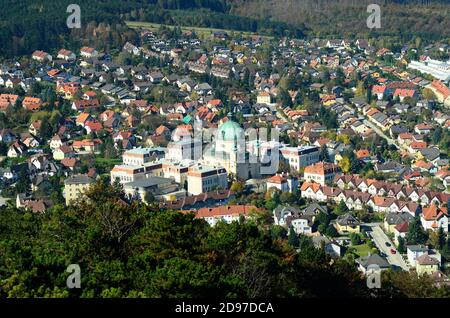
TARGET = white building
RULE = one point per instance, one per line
(158, 187)
(128, 173)
(141, 156)
(284, 183)
(438, 69)
(321, 172)
(231, 152)
(299, 157)
(227, 214)
(415, 251)
(184, 149)
(203, 179)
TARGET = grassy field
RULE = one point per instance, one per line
(201, 32)
(362, 250)
(104, 164)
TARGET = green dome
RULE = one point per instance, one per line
(230, 131)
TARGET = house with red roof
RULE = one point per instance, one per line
(33, 104)
(321, 172)
(403, 93)
(415, 146)
(433, 218)
(441, 91)
(423, 128)
(88, 52)
(66, 55)
(93, 126)
(227, 214)
(82, 104)
(41, 56)
(379, 91)
(283, 182)
(363, 155)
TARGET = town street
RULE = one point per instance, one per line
(380, 132)
(380, 239)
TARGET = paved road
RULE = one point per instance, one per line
(380, 239)
(380, 132)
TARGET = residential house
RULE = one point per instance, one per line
(347, 223)
(372, 262)
(41, 56)
(433, 218)
(227, 214)
(63, 152)
(283, 182)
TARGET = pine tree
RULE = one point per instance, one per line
(293, 239)
(401, 245)
(441, 239)
(324, 154)
(416, 234)
(341, 208)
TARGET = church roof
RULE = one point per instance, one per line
(230, 131)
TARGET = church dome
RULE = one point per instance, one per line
(230, 131)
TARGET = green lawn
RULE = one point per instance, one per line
(106, 165)
(362, 250)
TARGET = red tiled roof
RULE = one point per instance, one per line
(233, 210)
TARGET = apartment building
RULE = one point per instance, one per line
(299, 157)
(203, 179)
(131, 173)
(75, 187)
(321, 172)
(141, 156)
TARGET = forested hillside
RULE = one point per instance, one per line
(403, 19)
(130, 250)
(29, 25)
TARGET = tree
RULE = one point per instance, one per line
(293, 239)
(285, 99)
(45, 131)
(345, 164)
(149, 198)
(341, 208)
(401, 245)
(355, 239)
(416, 234)
(360, 90)
(331, 231)
(238, 187)
(428, 94)
(437, 135)
(278, 232)
(438, 239)
(3, 149)
(324, 156)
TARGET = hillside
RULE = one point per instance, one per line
(347, 18)
(30, 25)
(131, 250)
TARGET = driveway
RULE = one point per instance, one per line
(380, 239)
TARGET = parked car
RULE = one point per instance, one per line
(393, 251)
(388, 244)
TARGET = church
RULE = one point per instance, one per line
(229, 150)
